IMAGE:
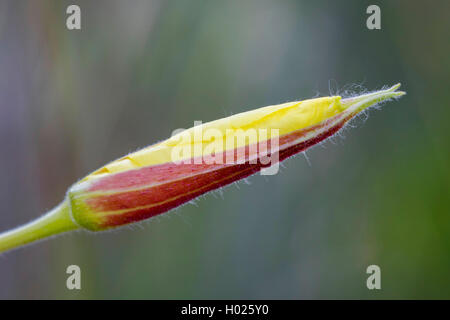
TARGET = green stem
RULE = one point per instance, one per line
(56, 221)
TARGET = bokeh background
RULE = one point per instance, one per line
(71, 101)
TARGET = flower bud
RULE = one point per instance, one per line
(163, 176)
(206, 157)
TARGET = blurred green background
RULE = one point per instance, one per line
(71, 101)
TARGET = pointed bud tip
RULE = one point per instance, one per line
(359, 103)
(395, 87)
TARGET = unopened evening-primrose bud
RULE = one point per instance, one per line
(193, 162)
